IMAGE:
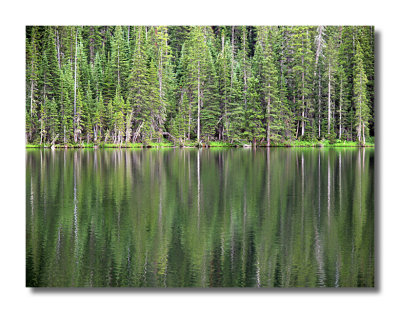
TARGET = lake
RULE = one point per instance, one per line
(269, 217)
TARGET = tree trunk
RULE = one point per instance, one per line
(340, 108)
(76, 52)
(41, 131)
(118, 66)
(137, 133)
(198, 101)
(31, 96)
(58, 49)
(269, 119)
(329, 98)
(319, 47)
(363, 129)
(91, 46)
(302, 99)
(244, 73)
(128, 128)
(233, 59)
(319, 103)
(360, 99)
(190, 118)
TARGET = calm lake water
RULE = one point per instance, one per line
(278, 217)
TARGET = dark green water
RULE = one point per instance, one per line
(279, 217)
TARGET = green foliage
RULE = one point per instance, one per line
(142, 84)
(362, 111)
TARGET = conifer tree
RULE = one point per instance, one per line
(302, 58)
(330, 77)
(32, 80)
(267, 75)
(254, 126)
(79, 117)
(52, 120)
(119, 60)
(139, 86)
(224, 84)
(362, 112)
(265, 85)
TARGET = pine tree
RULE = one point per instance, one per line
(79, 117)
(208, 95)
(200, 81)
(32, 80)
(302, 59)
(330, 77)
(51, 69)
(88, 108)
(224, 85)
(98, 118)
(362, 112)
(254, 126)
(139, 87)
(119, 60)
(267, 74)
(141, 83)
(52, 120)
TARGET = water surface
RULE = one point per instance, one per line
(278, 217)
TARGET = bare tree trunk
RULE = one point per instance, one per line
(363, 132)
(303, 100)
(340, 108)
(329, 98)
(128, 128)
(76, 52)
(319, 41)
(223, 107)
(58, 49)
(137, 132)
(198, 101)
(91, 46)
(360, 98)
(319, 103)
(31, 96)
(244, 73)
(41, 130)
(118, 66)
(233, 59)
(190, 118)
(269, 119)
(54, 140)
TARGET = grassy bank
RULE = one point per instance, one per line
(193, 144)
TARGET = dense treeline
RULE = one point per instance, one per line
(237, 84)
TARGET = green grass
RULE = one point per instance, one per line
(211, 144)
(29, 145)
(161, 144)
(123, 145)
(220, 144)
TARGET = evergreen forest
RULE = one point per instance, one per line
(192, 85)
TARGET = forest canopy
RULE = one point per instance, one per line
(234, 84)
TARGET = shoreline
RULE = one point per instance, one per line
(153, 146)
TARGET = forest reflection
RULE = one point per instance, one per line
(273, 217)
